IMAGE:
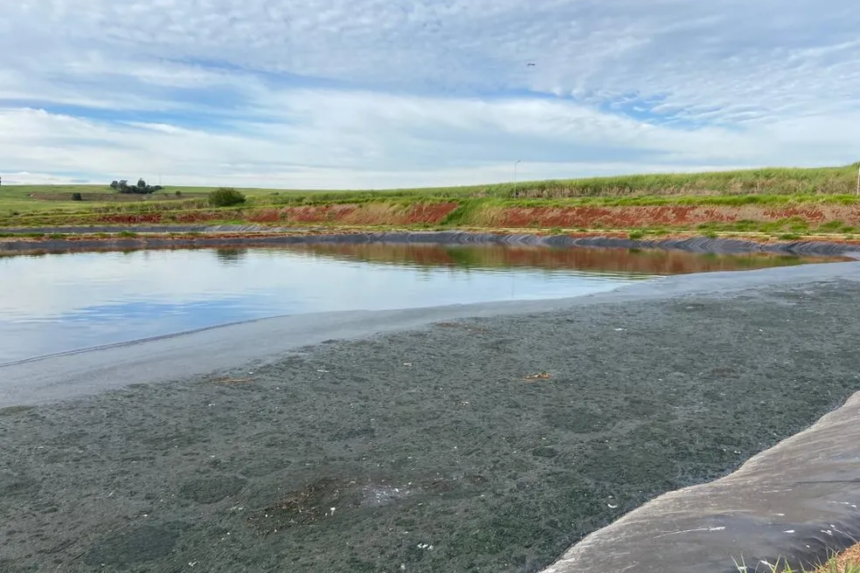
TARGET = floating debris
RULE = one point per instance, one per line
(538, 376)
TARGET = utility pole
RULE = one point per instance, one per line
(518, 162)
(858, 179)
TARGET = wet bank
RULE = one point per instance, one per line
(466, 444)
(161, 236)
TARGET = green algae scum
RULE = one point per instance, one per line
(477, 445)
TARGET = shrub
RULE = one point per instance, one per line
(77, 197)
(225, 197)
(636, 235)
(178, 193)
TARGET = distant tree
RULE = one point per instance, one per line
(77, 197)
(225, 197)
(178, 193)
(141, 184)
(114, 185)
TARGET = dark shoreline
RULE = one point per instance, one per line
(233, 236)
(433, 436)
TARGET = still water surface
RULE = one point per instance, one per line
(60, 302)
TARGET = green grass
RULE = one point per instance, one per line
(751, 182)
(832, 566)
(791, 226)
(765, 187)
(789, 237)
(766, 181)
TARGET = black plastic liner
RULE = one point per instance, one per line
(270, 237)
(795, 504)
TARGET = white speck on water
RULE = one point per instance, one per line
(620, 329)
(610, 506)
(788, 531)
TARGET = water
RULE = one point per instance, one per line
(60, 302)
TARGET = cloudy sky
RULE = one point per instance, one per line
(390, 93)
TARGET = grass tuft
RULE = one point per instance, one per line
(833, 565)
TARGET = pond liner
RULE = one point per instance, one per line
(271, 237)
(796, 504)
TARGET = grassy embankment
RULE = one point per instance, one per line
(775, 203)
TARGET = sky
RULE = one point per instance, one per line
(372, 94)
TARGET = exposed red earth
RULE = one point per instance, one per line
(503, 217)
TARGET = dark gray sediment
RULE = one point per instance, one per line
(274, 236)
(436, 448)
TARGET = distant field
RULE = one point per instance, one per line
(787, 200)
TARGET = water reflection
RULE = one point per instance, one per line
(230, 256)
(629, 261)
(58, 302)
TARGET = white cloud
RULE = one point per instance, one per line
(338, 93)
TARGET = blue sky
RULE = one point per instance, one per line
(392, 93)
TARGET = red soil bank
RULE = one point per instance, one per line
(500, 217)
(669, 215)
(363, 214)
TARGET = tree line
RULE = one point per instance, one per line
(141, 188)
